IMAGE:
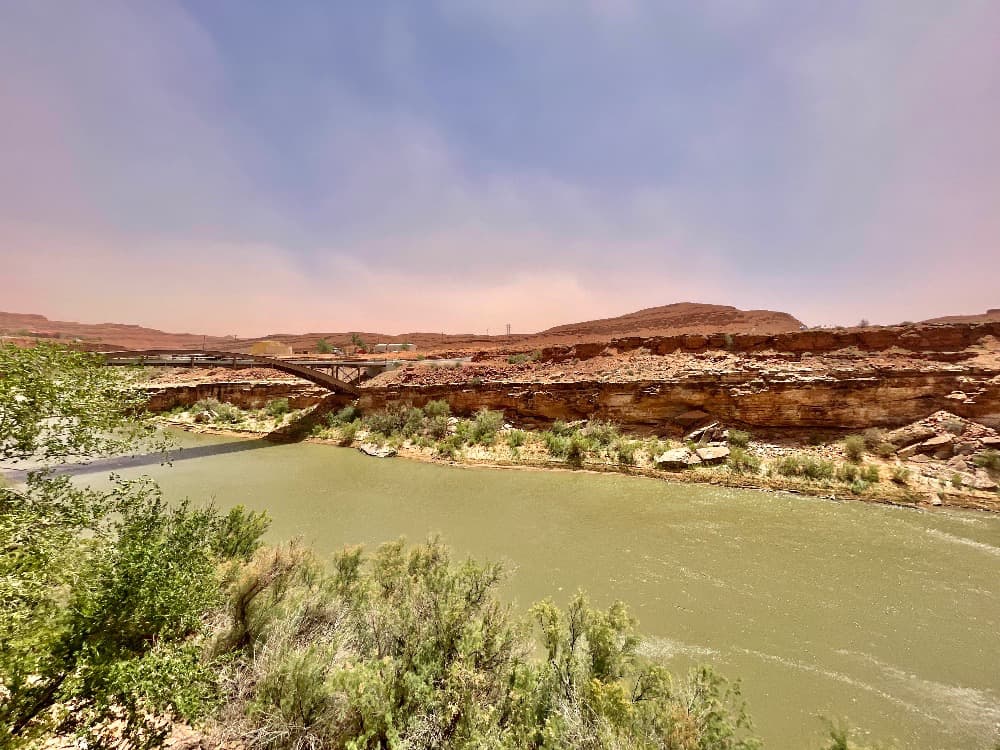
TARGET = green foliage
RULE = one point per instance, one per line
(348, 414)
(624, 452)
(99, 611)
(848, 473)
(557, 445)
(219, 410)
(389, 420)
(741, 461)
(988, 459)
(324, 347)
(516, 438)
(408, 648)
(854, 448)
(577, 449)
(485, 426)
(872, 437)
(561, 428)
(954, 426)
(601, 434)
(56, 403)
(520, 359)
(348, 432)
(277, 408)
(900, 474)
(413, 422)
(739, 438)
(870, 473)
(437, 409)
(801, 465)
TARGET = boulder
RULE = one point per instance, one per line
(914, 433)
(678, 458)
(991, 442)
(939, 446)
(370, 449)
(984, 481)
(907, 452)
(713, 454)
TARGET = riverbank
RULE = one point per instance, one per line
(848, 469)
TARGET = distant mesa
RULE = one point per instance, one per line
(989, 316)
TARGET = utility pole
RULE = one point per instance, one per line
(508, 330)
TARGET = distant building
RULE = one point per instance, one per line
(270, 349)
(382, 348)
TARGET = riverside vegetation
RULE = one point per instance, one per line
(861, 466)
(121, 615)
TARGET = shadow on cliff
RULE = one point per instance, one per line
(173, 455)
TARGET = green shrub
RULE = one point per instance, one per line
(900, 474)
(450, 446)
(601, 433)
(557, 445)
(858, 486)
(522, 358)
(624, 451)
(476, 380)
(324, 347)
(437, 426)
(560, 427)
(798, 465)
(348, 414)
(516, 438)
(277, 408)
(485, 426)
(873, 436)
(220, 411)
(577, 450)
(956, 480)
(413, 421)
(437, 409)
(348, 432)
(870, 473)
(739, 438)
(386, 422)
(742, 461)
(854, 448)
(987, 459)
(848, 472)
(884, 449)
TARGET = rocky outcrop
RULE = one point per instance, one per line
(241, 394)
(942, 342)
(780, 400)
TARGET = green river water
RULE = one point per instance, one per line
(885, 616)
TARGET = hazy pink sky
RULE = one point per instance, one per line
(239, 168)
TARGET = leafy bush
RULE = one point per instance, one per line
(557, 445)
(324, 347)
(601, 433)
(219, 410)
(437, 409)
(348, 414)
(623, 451)
(798, 465)
(742, 461)
(327, 654)
(900, 474)
(884, 449)
(848, 472)
(386, 422)
(577, 449)
(858, 486)
(437, 426)
(348, 432)
(854, 448)
(870, 473)
(872, 437)
(516, 438)
(413, 421)
(277, 408)
(739, 438)
(485, 426)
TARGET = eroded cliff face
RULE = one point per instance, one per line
(670, 408)
(838, 380)
(242, 394)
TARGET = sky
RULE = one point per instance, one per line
(238, 167)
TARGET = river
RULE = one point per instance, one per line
(887, 617)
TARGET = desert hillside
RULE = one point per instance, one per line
(683, 317)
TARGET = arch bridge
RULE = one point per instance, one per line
(341, 376)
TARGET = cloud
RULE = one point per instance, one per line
(468, 166)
